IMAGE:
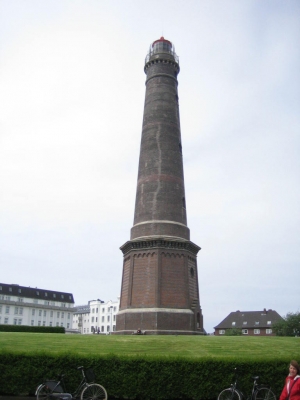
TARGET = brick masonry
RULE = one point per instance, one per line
(159, 291)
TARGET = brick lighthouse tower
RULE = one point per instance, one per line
(159, 292)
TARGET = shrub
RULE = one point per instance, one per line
(233, 332)
(32, 329)
(140, 377)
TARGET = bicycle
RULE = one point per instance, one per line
(259, 391)
(86, 390)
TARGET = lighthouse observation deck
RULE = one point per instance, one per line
(161, 48)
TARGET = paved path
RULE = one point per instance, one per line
(2, 397)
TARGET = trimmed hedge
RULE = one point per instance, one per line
(140, 377)
(32, 329)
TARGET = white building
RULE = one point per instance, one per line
(81, 319)
(96, 317)
(21, 305)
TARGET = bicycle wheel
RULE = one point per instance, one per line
(93, 392)
(229, 394)
(264, 394)
(42, 392)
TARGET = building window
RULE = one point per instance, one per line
(16, 310)
(108, 318)
(50, 323)
(114, 318)
(10, 289)
(20, 299)
(7, 310)
(63, 315)
(256, 322)
(39, 323)
(221, 331)
(63, 304)
(68, 325)
(35, 301)
(103, 309)
(21, 311)
(46, 294)
(44, 323)
(102, 328)
(6, 320)
(268, 331)
(51, 313)
(15, 321)
(107, 328)
(33, 311)
(32, 322)
(256, 331)
(93, 319)
(102, 319)
(115, 309)
(37, 293)
(233, 323)
(0, 309)
(58, 314)
(7, 297)
(245, 323)
(40, 313)
(68, 315)
(45, 312)
(245, 331)
(269, 322)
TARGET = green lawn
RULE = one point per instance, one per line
(169, 346)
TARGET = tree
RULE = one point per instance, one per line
(289, 325)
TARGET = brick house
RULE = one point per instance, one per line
(252, 323)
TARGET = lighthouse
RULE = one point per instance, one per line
(159, 289)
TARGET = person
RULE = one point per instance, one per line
(139, 332)
(291, 390)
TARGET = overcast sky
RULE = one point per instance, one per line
(72, 90)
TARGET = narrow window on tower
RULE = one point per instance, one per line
(180, 148)
(183, 202)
